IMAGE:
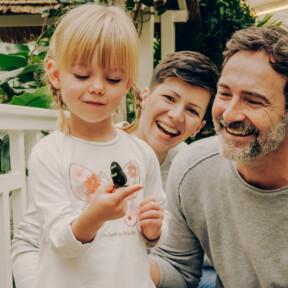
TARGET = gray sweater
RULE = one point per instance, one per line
(243, 229)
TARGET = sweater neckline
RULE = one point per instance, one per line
(254, 189)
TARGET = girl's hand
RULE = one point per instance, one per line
(150, 218)
(109, 203)
(106, 204)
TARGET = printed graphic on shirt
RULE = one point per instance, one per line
(84, 183)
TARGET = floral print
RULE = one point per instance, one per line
(79, 174)
(84, 184)
(92, 184)
(130, 217)
(132, 170)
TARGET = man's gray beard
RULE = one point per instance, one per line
(264, 143)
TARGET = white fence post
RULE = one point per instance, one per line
(5, 266)
(17, 162)
(24, 126)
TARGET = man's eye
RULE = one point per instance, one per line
(81, 77)
(224, 94)
(255, 102)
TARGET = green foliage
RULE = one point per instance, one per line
(157, 51)
(38, 98)
(21, 74)
(269, 20)
(4, 152)
(220, 19)
(130, 105)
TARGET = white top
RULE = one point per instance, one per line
(64, 172)
(165, 166)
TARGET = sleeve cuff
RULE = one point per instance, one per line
(64, 241)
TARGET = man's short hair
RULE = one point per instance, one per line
(271, 40)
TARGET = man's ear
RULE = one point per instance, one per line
(53, 74)
(144, 95)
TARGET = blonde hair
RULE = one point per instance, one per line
(75, 39)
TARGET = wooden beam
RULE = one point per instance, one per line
(168, 20)
(146, 53)
(24, 20)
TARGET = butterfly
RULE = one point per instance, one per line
(84, 183)
(118, 176)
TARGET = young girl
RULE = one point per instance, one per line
(94, 233)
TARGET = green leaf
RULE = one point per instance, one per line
(5, 76)
(41, 97)
(269, 20)
(31, 69)
(8, 48)
(11, 62)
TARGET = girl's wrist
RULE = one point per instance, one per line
(85, 229)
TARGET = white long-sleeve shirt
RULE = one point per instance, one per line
(25, 245)
(64, 172)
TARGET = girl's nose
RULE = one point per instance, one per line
(97, 87)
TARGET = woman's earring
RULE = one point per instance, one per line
(192, 137)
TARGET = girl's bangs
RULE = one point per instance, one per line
(116, 45)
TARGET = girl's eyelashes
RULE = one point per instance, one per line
(81, 77)
(85, 77)
(113, 80)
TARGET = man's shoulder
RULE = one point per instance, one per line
(204, 152)
(201, 149)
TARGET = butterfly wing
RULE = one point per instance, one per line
(84, 182)
(131, 170)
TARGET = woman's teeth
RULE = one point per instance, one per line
(168, 129)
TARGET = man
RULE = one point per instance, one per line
(233, 204)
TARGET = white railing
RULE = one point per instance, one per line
(24, 127)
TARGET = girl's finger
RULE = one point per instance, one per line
(150, 206)
(147, 200)
(123, 193)
(152, 214)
